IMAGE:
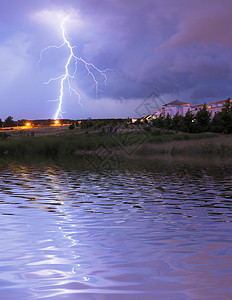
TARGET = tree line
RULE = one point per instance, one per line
(201, 122)
(9, 122)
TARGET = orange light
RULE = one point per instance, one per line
(28, 124)
(57, 122)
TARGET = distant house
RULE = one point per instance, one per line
(180, 107)
(214, 107)
(217, 106)
(156, 113)
(174, 107)
(195, 108)
(147, 118)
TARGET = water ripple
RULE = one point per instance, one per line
(121, 234)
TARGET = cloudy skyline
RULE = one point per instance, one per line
(175, 48)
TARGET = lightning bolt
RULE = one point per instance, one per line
(67, 76)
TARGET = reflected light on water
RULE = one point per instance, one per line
(121, 234)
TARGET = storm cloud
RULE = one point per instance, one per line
(177, 48)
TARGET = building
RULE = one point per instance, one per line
(214, 107)
(147, 118)
(217, 106)
(156, 114)
(180, 107)
(195, 108)
(175, 107)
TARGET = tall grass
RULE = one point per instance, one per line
(219, 146)
(150, 142)
(53, 145)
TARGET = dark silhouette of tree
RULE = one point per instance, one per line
(9, 122)
(216, 124)
(22, 122)
(1, 123)
(168, 122)
(159, 122)
(226, 116)
(222, 121)
(83, 125)
(188, 121)
(48, 122)
(71, 126)
(177, 121)
(203, 119)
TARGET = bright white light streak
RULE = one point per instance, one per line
(65, 78)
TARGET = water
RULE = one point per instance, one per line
(71, 234)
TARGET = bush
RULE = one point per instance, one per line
(72, 126)
(4, 135)
(148, 129)
(156, 132)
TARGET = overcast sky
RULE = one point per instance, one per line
(169, 49)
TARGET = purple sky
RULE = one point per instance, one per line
(174, 48)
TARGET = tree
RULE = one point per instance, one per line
(138, 122)
(48, 122)
(177, 122)
(203, 119)
(71, 126)
(188, 121)
(9, 122)
(168, 122)
(22, 122)
(226, 116)
(1, 123)
(216, 125)
(159, 122)
(83, 125)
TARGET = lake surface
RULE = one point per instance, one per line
(125, 234)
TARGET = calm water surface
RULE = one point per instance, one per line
(69, 234)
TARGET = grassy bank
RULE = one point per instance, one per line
(129, 144)
(218, 146)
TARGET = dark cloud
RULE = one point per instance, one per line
(179, 47)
